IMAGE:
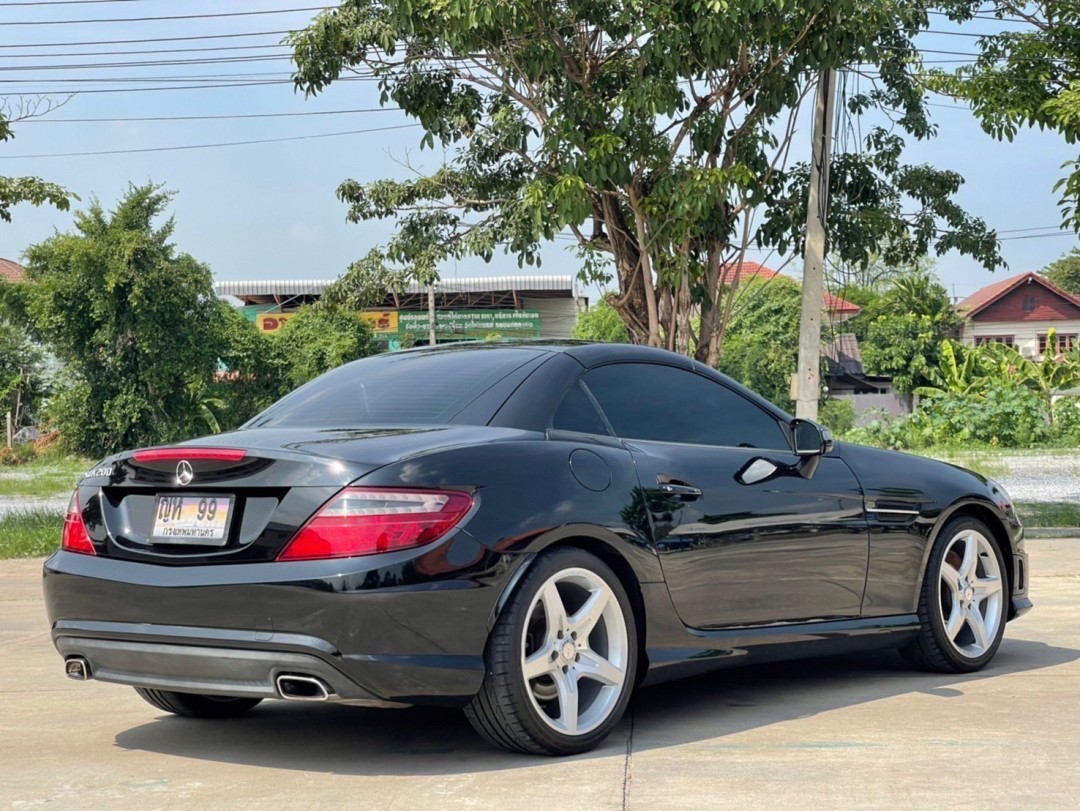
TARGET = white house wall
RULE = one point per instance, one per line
(1025, 333)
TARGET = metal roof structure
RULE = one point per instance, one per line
(473, 292)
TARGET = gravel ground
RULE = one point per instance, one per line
(14, 504)
(1050, 477)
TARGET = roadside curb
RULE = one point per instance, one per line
(1051, 532)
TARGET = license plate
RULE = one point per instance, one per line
(199, 520)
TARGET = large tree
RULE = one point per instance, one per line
(655, 132)
(905, 327)
(1025, 75)
(33, 190)
(1065, 272)
(134, 321)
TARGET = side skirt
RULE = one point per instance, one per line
(675, 651)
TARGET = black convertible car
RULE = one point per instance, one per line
(526, 531)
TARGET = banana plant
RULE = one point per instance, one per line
(1056, 372)
(959, 371)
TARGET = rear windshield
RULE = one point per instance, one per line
(394, 389)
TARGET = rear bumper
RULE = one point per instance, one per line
(231, 630)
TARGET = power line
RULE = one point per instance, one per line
(148, 51)
(98, 90)
(154, 63)
(207, 146)
(140, 40)
(1041, 236)
(204, 117)
(166, 18)
(1035, 228)
(64, 2)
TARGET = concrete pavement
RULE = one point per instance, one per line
(858, 731)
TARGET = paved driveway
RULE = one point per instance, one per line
(853, 731)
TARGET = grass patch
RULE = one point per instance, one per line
(52, 475)
(1048, 513)
(30, 534)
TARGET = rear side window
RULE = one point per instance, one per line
(577, 413)
(395, 389)
(666, 404)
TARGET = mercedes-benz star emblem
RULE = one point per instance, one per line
(184, 473)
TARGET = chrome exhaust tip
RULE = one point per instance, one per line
(77, 668)
(302, 688)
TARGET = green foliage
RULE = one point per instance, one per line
(318, 339)
(601, 323)
(837, 415)
(1067, 421)
(1010, 418)
(761, 345)
(903, 329)
(1065, 272)
(24, 381)
(649, 130)
(33, 190)
(134, 322)
(32, 534)
(1026, 75)
(253, 373)
(989, 395)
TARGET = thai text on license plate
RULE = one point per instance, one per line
(192, 519)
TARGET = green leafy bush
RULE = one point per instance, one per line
(1008, 418)
(837, 415)
(320, 338)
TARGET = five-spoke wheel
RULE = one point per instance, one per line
(963, 604)
(574, 651)
(561, 659)
(971, 593)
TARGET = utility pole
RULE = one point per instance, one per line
(808, 377)
(431, 313)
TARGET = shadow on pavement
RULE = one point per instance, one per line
(421, 741)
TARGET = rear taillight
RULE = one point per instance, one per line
(75, 537)
(368, 520)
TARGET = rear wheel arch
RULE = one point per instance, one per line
(609, 554)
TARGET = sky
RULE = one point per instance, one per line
(269, 210)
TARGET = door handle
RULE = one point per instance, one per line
(676, 487)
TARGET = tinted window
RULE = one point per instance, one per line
(646, 401)
(577, 413)
(395, 389)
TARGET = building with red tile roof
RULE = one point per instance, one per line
(11, 272)
(836, 308)
(1020, 311)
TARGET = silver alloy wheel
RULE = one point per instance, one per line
(574, 651)
(971, 593)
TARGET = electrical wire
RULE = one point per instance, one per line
(141, 40)
(166, 18)
(207, 146)
(147, 51)
(231, 117)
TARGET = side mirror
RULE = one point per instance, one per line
(810, 438)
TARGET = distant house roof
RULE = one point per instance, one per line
(835, 304)
(11, 271)
(984, 297)
(844, 355)
(736, 274)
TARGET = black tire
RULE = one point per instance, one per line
(197, 706)
(506, 711)
(932, 649)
